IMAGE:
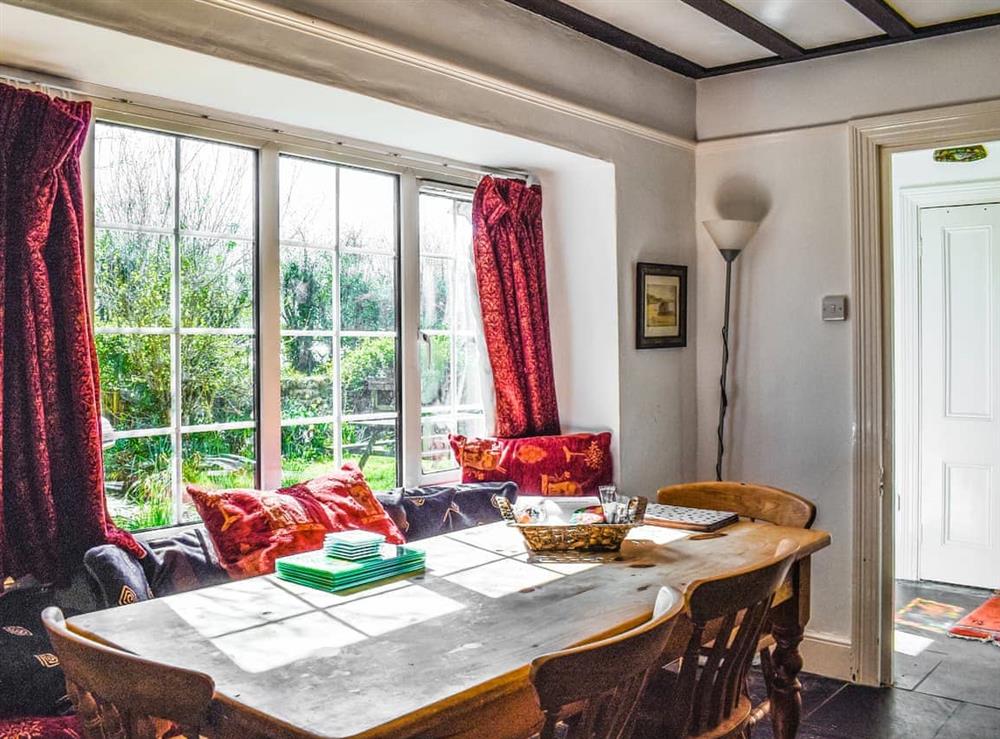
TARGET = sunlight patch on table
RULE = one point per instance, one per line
(497, 537)
(278, 644)
(234, 606)
(564, 564)
(657, 534)
(445, 556)
(398, 609)
(325, 599)
(497, 579)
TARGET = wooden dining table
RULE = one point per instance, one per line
(447, 652)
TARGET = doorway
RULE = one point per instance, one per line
(946, 436)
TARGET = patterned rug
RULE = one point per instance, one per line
(983, 624)
(929, 615)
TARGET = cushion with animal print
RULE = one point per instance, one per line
(559, 465)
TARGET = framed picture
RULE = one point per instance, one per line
(660, 305)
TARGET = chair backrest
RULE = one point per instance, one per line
(118, 695)
(602, 682)
(727, 615)
(760, 502)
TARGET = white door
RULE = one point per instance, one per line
(960, 395)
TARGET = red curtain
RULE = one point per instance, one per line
(510, 273)
(52, 506)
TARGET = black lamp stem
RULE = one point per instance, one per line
(724, 400)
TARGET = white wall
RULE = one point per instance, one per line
(653, 186)
(932, 72)
(790, 417)
(792, 422)
(498, 38)
(583, 302)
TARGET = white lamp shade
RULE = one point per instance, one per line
(730, 235)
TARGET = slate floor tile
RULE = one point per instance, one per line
(957, 669)
(860, 712)
(816, 690)
(910, 671)
(970, 721)
(971, 681)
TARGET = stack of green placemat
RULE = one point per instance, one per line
(319, 570)
(353, 544)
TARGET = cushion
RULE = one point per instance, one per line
(392, 501)
(182, 562)
(117, 575)
(252, 528)
(41, 727)
(569, 464)
(31, 681)
(439, 509)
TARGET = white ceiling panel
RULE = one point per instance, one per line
(810, 23)
(676, 27)
(929, 12)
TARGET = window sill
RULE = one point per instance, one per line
(167, 532)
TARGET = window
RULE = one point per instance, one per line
(179, 329)
(174, 248)
(339, 333)
(450, 394)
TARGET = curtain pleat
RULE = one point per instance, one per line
(52, 505)
(510, 275)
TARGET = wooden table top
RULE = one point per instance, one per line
(345, 665)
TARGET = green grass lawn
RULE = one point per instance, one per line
(155, 508)
(380, 472)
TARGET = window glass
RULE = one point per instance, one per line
(174, 249)
(450, 393)
(339, 288)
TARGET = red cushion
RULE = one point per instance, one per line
(571, 464)
(41, 727)
(251, 528)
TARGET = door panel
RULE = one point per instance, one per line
(967, 493)
(959, 406)
(967, 321)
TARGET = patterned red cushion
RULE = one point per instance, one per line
(41, 727)
(571, 464)
(251, 528)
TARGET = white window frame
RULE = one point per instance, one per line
(270, 144)
(336, 334)
(453, 412)
(176, 331)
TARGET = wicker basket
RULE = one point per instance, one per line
(600, 537)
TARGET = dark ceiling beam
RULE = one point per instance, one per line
(595, 28)
(939, 29)
(747, 25)
(885, 17)
(588, 25)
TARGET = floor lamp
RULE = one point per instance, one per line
(731, 238)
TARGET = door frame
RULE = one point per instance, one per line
(906, 372)
(872, 141)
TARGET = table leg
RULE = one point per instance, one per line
(786, 699)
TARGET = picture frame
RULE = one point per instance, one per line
(660, 305)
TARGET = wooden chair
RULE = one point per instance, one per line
(591, 691)
(759, 502)
(120, 696)
(704, 695)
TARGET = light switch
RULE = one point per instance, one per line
(835, 308)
